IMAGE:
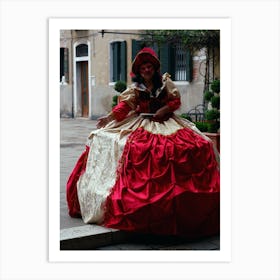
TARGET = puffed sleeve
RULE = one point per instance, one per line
(129, 97)
(174, 98)
(126, 103)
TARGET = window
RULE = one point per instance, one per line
(118, 65)
(137, 45)
(177, 61)
(64, 64)
(180, 66)
(82, 50)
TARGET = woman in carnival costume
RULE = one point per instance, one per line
(144, 169)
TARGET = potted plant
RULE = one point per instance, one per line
(212, 114)
(202, 126)
(119, 86)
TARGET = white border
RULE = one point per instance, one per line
(222, 255)
(25, 124)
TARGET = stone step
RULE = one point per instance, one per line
(90, 237)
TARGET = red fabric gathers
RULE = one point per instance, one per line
(71, 186)
(174, 104)
(166, 185)
(121, 110)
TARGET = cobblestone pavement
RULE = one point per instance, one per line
(73, 137)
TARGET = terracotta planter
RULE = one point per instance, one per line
(215, 137)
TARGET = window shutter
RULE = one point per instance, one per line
(164, 57)
(172, 56)
(136, 47)
(66, 64)
(115, 61)
(123, 62)
(61, 63)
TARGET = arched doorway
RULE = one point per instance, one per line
(81, 78)
(82, 68)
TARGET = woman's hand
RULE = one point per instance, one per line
(101, 122)
(162, 113)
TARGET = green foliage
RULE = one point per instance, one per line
(120, 86)
(114, 100)
(202, 126)
(215, 86)
(213, 127)
(191, 39)
(208, 95)
(215, 102)
(212, 114)
(186, 116)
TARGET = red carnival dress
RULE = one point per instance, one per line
(140, 175)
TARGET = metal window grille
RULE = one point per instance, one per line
(180, 63)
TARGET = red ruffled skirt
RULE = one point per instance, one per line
(165, 184)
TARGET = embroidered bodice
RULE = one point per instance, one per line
(141, 100)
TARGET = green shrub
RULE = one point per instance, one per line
(186, 116)
(213, 127)
(208, 95)
(215, 102)
(202, 126)
(114, 100)
(213, 114)
(120, 86)
(215, 86)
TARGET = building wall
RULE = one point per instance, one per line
(192, 93)
(65, 101)
(66, 88)
(102, 90)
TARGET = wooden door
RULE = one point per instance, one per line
(84, 88)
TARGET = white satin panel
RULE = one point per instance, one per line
(94, 185)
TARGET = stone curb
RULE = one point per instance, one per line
(90, 237)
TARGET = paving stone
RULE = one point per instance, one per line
(216, 241)
(133, 246)
(176, 247)
(203, 245)
(109, 247)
